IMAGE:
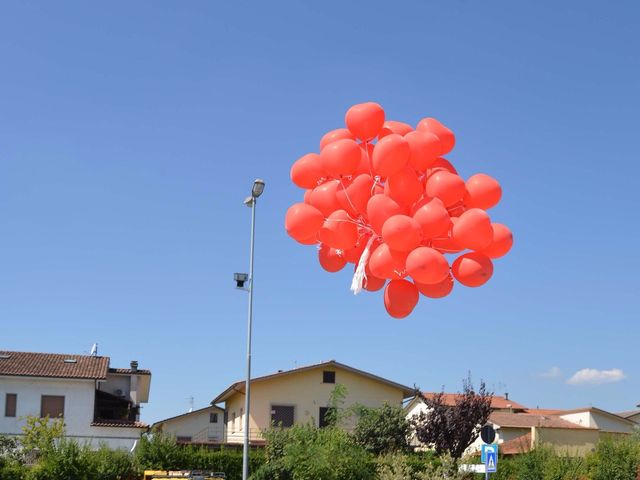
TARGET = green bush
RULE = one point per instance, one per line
(305, 452)
(615, 459)
(382, 430)
(66, 461)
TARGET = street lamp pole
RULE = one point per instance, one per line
(256, 191)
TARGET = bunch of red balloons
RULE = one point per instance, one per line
(381, 195)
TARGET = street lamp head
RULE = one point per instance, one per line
(240, 279)
(258, 188)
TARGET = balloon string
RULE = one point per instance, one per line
(355, 222)
(360, 274)
(346, 194)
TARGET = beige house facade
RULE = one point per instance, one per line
(205, 425)
(301, 396)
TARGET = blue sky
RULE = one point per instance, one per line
(130, 133)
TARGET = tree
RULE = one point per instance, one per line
(452, 428)
(42, 434)
(382, 430)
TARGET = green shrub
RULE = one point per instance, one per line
(382, 430)
(615, 459)
(157, 451)
(113, 464)
(305, 452)
(66, 461)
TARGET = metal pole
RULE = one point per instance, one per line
(247, 398)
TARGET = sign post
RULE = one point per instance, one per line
(489, 454)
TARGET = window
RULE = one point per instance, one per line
(282, 415)
(233, 422)
(328, 376)
(180, 439)
(241, 419)
(52, 405)
(213, 418)
(10, 405)
(323, 421)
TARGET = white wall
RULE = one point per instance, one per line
(78, 409)
(197, 426)
(115, 383)
(604, 423)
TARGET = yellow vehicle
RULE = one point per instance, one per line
(182, 474)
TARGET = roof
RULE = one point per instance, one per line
(53, 365)
(129, 371)
(119, 424)
(239, 386)
(628, 414)
(208, 407)
(497, 401)
(521, 444)
(528, 420)
(544, 411)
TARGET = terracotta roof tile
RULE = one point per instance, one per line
(497, 402)
(516, 445)
(54, 365)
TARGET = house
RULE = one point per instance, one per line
(205, 425)
(633, 415)
(302, 395)
(99, 404)
(518, 428)
(417, 405)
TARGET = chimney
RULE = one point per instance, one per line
(506, 395)
(134, 365)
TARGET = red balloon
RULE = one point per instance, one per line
(379, 209)
(365, 120)
(473, 230)
(339, 231)
(483, 191)
(501, 243)
(333, 135)
(341, 157)
(373, 284)
(303, 221)
(433, 219)
(307, 196)
(426, 265)
(446, 186)
(312, 240)
(446, 245)
(424, 149)
(370, 282)
(446, 136)
(390, 155)
(400, 298)
(324, 197)
(365, 158)
(329, 259)
(391, 126)
(387, 263)
(401, 233)
(404, 186)
(441, 164)
(353, 254)
(437, 290)
(307, 171)
(472, 269)
(356, 195)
